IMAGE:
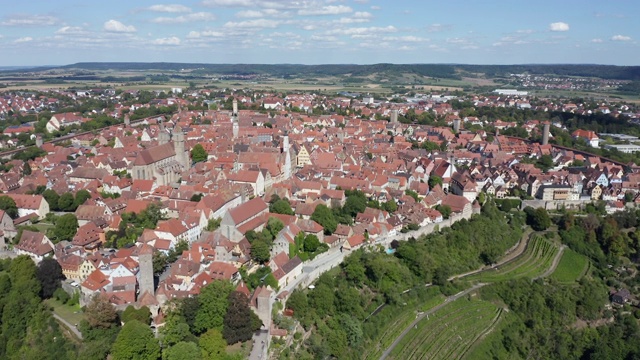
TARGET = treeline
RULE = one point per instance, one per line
(340, 308)
(432, 70)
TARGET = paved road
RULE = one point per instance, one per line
(69, 325)
(313, 269)
(260, 346)
(429, 312)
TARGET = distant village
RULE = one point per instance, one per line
(256, 156)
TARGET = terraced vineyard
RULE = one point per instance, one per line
(450, 332)
(392, 330)
(536, 259)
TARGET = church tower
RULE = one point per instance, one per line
(178, 146)
(163, 135)
(287, 157)
(234, 119)
(145, 262)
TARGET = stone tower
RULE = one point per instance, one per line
(39, 141)
(234, 119)
(545, 133)
(456, 125)
(145, 261)
(127, 120)
(163, 135)
(178, 146)
(287, 157)
(394, 116)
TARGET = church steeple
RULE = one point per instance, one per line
(178, 145)
(234, 119)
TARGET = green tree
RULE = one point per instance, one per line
(213, 224)
(445, 210)
(66, 202)
(26, 169)
(50, 275)
(281, 206)
(175, 330)
(9, 206)
(142, 315)
(183, 351)
(213, 345)
(135, 341)
(434, 180)
(66, 227)
(196, 197)
(81, 197)
(311, 243)
(260, 251)
(100, 314)
(198, 153)
(323, 216)
(213, 301)
(538, 218)
(52, 199)
(239, 322)
(390, 206)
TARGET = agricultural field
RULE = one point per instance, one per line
(450, 332)
(397, 325)
(536, 259)
(571, 268)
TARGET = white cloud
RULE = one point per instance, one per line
(559, 26)
(117, 26)
(23, 40)
(596, 40)
(249, 14)
(170, 8)
(30, 20)
(172, 41)
(227, 3)
(326, 10)
(252, 24)
(206, 33)
(409, 38)
(194, 17)
(71, 30)
(438, 27)
(620, 38)
(363, 31)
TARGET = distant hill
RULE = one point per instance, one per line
(447, 71)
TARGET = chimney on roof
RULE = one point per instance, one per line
(545, 134)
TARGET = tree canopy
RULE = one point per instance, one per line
(9, 206)
(135, 341)
(50, 275)
(198, 153)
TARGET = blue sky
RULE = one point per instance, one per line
(45, 32)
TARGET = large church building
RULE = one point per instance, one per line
(163, 163)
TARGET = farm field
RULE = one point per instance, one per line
(571, 268)
(397, 325)
(536, 259)
(450, 332)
